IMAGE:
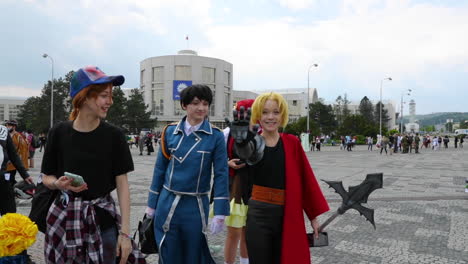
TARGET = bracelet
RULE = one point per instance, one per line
(125, 235)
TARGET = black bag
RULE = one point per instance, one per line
(41, 202)
(35, 142)
(146, 238)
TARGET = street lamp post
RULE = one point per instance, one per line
(308, 78)
(381, 104)
(51, 91)
(408, 92)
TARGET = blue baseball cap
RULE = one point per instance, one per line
(89, 75)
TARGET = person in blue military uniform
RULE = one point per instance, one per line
(179, 194)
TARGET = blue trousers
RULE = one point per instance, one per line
(184, 242)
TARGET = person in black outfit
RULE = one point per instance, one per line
(96, 150)
(8, 153)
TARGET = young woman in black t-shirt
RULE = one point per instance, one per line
(97, 151)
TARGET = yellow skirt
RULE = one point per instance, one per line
(238, 216)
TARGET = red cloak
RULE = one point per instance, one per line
(302, 193)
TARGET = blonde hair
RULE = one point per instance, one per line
(91, 91)
(259, 104)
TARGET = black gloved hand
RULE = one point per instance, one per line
(240, 126)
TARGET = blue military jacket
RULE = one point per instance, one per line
(185, 165)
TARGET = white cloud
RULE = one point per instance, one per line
(296, 4)
(369, 41)
(18, 91)
(101, 20)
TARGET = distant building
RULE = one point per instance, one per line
(9, 107)
(163, 77)
(412, 126)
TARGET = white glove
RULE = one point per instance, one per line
(149, 212)
(217, 224)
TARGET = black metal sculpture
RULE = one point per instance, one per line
(352, 199)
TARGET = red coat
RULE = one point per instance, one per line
(302, 193)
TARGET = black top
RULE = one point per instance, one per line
(98, 156)
(9, 153)
(270, 171)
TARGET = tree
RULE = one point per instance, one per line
(464, 124)
(35, 112)
(366, 109)
(117, 114)
(296, 128)
(137, 116)
(449, 127)
(357, 125)
(339, 110)
(323, 117)
(345, 110)
(385, 117)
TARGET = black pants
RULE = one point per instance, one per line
(263, 232)
(7, 196)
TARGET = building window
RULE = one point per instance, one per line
(294, 103)
(158, 74)
(208, 75)
(183, 73)
(227, 105)
(227, 78)
(157, 99)
(142, 78)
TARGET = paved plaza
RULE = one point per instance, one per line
(421, 214)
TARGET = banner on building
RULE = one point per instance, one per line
(178, 87)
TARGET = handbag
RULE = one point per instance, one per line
(40, 204)
(146, 238)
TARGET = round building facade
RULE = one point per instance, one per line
(162, 79)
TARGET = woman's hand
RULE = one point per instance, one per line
(315, 225)
(233, 164)
(124, 247)
(64, 183)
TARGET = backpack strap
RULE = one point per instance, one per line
(163, 144)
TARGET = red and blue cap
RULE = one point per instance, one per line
(89, 75)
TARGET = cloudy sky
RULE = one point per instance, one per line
(421, 44)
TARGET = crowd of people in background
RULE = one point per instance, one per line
(396, 143)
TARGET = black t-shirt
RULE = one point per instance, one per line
(270, 171)
(98, 156)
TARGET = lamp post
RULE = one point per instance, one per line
(408, 92)
(51, 91)
(308, 78)
(381, 104)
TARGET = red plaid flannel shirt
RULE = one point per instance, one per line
(73, 235)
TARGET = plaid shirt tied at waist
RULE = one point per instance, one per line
(73, 235)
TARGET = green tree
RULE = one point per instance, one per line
(137, 116)
(117, 114)
(323, 117)
(338, 109)
(449, 127)
(345, 112)
(35, 112)
(357, 125)
(366, 109)
(464, 125)
(385, 117)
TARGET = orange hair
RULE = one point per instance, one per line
(91, 91)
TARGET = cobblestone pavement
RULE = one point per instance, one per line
(421, 214)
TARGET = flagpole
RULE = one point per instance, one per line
(188, 42)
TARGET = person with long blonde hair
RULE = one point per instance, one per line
(284, 187)
(83, 224)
